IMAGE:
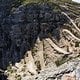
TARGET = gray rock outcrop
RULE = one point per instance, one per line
(70, 69)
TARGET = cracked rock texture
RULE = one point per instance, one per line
(67, 71)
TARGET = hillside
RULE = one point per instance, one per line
(39, 40)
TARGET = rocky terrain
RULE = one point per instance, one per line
(39, 41)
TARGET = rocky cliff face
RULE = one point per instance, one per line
(21, 27)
